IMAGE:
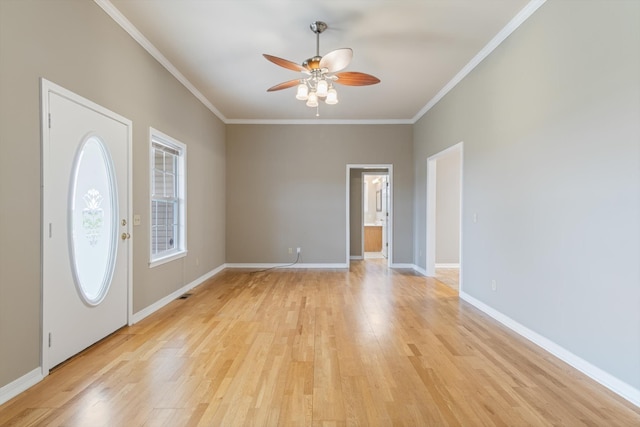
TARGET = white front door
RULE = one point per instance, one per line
(85, 223)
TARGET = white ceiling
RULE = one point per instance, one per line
(415, 47)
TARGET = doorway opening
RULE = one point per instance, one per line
(369, 216)
(375, 215)
(444, 216)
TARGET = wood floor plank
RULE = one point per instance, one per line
(370, 346)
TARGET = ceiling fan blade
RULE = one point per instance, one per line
(285, 85)
(336, 60)
(284, 63)
(354, 78)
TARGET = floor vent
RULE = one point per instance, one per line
(184, 296)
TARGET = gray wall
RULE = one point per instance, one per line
(286, 187)
(76, 45)
(552, 168)
(448, 208)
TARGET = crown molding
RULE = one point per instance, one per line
(517, 20)
(121, 20)
(318, 122)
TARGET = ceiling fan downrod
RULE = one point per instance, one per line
(318, 28)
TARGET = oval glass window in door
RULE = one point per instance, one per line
(93, 220)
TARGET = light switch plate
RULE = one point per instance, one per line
(136, 219)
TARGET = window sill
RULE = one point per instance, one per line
(168, 258)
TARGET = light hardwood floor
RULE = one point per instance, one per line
(369, 347)
(449, 276)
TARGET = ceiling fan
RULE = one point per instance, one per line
(321, 73)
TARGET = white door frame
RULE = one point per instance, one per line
(47, 87)
(431, 208)
(389, 168)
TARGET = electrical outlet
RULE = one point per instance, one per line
(290, 250)
(299, 250)
(494, 285)
(197, 261)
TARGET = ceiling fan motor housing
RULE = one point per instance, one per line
(312, 63)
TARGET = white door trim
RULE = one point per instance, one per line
(431, 209)
(389, 168)
(47, 87)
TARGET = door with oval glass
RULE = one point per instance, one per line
(85, 223)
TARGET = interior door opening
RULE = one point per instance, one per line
(375, 215)
(444, 216)
(369, 213)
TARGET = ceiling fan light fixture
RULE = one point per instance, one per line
(321, 72)
(303, 92)
(332, 97)
(313, 100)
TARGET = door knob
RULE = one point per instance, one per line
(125, 236)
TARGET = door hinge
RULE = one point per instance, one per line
(49, 120)
(49, 339)
(50, 230)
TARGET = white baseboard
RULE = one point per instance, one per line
(614, 384)
(166, 300)
(356, 257)
(402, 265)
(299, 265)
(448, 265)
(16, 387)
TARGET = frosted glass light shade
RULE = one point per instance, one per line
(332, 97)
(321, 89)
(313, 100)
(303, 92)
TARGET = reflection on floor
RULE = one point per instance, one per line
(449, 276)
(373, 255)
